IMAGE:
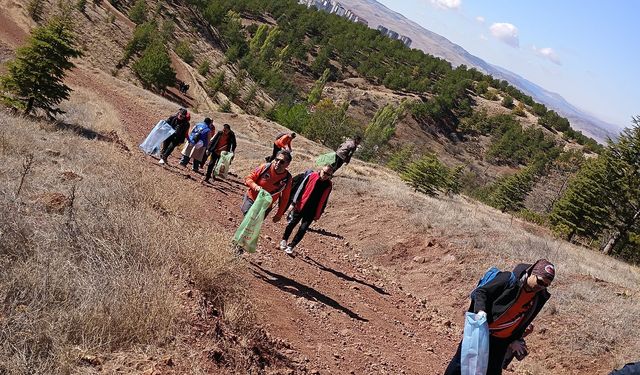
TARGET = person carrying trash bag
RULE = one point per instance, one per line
(309, 202)
(224, 140)
(282, 143)
(509, 301)
(275, 179)
(180, 123)
(151, 144)
(346, 151)
(196, 143)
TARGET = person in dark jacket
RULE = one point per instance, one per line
(180, 123)
(224, 140)
(345, 152)
(509, 308)
(309, 203)
(628, 369)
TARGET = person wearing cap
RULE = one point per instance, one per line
(224, 140)
(180, 123)
(282, 142)
(197, 143)
(345, 152)
(509, 308)
(275, 179)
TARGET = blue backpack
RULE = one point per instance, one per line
(490, 275)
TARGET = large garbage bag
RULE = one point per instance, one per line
(248, 232)
(326, 159)
(223, 164)
(474, 357)
(151, 144)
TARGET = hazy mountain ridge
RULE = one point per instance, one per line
(437, 45)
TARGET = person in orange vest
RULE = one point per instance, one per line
(275, 179)
(282, 142)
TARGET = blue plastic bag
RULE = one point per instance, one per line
(474, 357)
(162, 131)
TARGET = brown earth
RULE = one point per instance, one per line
(370, 290)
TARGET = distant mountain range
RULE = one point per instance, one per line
(437, 45)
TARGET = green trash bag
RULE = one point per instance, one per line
(222, 166)
(248, 232)
(326, 159)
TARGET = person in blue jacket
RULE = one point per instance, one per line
(197, 144)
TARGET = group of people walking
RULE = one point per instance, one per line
(506, 303)
(305, 195)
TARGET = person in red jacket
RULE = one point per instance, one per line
(308, 205)
(275, 179)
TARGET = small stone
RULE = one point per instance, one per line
(419, 259)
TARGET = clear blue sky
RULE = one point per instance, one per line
(585, 50)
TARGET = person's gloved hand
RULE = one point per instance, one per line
(257, 188)
(519, 347)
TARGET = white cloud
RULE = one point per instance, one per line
(447, 4)
(480, 19)
(506, 33)
(547, 53)
(483, 37)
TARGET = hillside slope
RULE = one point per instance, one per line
(380, 284)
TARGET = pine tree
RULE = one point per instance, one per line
(258, 39)
(269, 46)
(154, 67)
(138, 12)
(623, 166)
(427, 175)
(35, 77)
(510, 192)
(381, 129)
(583, 209)
(318, 86)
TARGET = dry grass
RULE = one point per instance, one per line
(595, 298)
(94, 249)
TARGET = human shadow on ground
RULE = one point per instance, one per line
(300, 290)
(342, 275)
(324, 232)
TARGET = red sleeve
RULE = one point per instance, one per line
(252, 179)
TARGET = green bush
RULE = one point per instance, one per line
(143, 35)
(204, 67)
(401, 158)
(507, 102)
(295, 117)
(429, 176)
(138, 13)
(215, 83)
(329, 124)
(183, 49)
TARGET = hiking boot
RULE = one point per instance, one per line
(283, 244)
(288, 250)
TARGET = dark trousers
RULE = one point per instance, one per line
(168, 145)
(276, 149)
(213, 159)
(185, 160)
(297, 217)
(497, 350)
(338, 163)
